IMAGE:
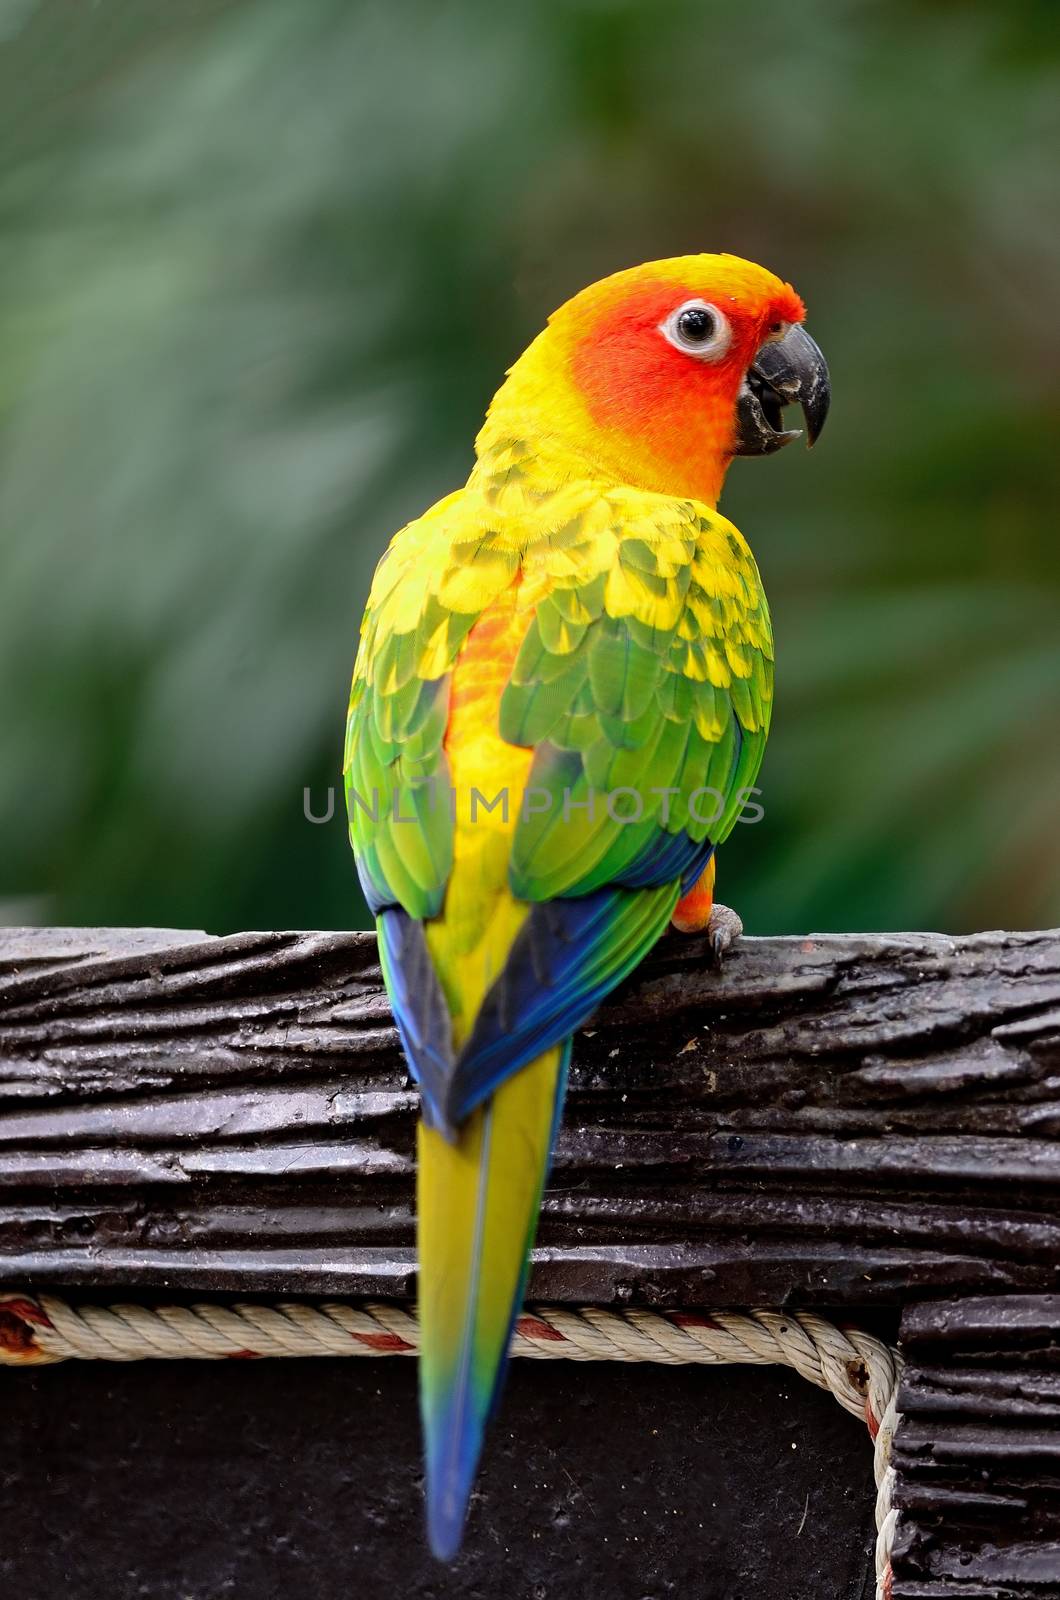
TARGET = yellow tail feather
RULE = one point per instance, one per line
(478, 1200)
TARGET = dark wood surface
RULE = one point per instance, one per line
(863, 1124)
(977, 1453)
(301, 1480)
(841, 1121)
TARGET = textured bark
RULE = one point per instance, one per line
(977, 1453)
(840, 1120)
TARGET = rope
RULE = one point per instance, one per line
(862, 1373)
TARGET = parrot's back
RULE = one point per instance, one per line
(525, 685)
(478, 1195)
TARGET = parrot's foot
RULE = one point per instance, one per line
(698, 912)
(723, 930)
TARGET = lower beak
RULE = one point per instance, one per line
(788, 371)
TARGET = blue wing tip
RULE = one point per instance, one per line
(448, 1494)
(445, 1532)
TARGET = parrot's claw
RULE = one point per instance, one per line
(723, 930)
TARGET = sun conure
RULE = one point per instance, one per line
(560, 701)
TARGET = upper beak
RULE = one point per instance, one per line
(785, 372)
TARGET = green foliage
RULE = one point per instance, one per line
(264, 263)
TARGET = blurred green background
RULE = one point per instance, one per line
(264, 263)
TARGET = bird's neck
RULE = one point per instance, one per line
(539, 432)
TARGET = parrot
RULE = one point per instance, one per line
(560, 702)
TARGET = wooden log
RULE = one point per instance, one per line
(838, 1120)
(977, 1454)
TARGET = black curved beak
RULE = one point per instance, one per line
(788, 371)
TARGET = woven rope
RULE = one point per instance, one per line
(857, 1369)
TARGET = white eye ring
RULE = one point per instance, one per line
(698, 329)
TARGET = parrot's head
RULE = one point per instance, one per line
(661, 374)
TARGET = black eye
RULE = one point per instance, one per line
(696, 325)
(699, 329)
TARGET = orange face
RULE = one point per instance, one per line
(660, 356)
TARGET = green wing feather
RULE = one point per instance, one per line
(645, 677)
(429, 589)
